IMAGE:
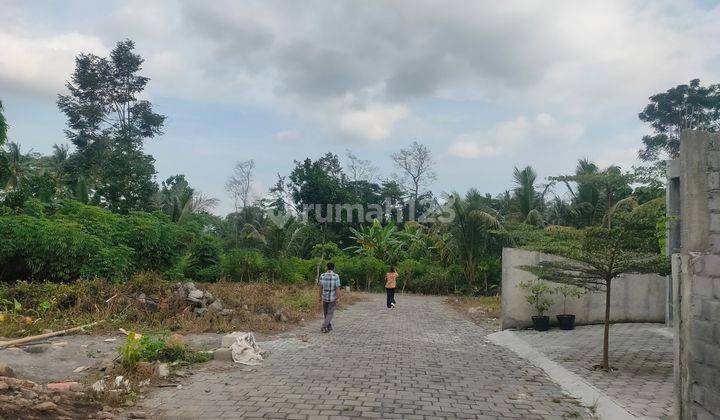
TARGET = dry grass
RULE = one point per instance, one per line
(257, 307)
(482, 310)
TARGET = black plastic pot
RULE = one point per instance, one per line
(541, 323)
(566, 322)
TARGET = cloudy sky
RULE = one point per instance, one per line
(485, 84)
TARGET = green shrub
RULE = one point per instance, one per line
(242, 265)
(55, 250)
(203, 259)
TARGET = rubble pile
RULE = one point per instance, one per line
(201, 301)
(20, 398)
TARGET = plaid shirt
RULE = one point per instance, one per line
(330, 283)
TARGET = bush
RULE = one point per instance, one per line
(202, 262)
(242, 265)
(56, 250)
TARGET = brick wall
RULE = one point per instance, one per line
(696, 295)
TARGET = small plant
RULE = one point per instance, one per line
(569, 291)
(156, 349)
(538, 295)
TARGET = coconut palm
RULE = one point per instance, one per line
(473, 231)
(20, 166)
(3, 125)
(525, 192)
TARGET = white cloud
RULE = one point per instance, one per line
(507, 136)
(41, 65)
(374, 123)
(287, 135)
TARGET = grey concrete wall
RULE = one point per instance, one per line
(697, 271)
(635, 297)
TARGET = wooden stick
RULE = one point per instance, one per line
(32, 338)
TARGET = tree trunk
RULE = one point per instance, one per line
(606, 336)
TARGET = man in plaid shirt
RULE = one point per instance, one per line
(330, 290)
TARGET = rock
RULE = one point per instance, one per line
(80, 369)
(37, 349)
(280, 316)
(98, 386)
(5, 370)
(200, 311)
(227, 312)
(63, 386)
(163, 370)
(209, 296)
(216, 306)
(195, 294)
(223, 354)
(189, 286)
(46, 406)
(4, 386)
(245, 307)
(136, 415)
(29, 394)
(141, 296)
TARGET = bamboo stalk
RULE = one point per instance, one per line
(32, 338)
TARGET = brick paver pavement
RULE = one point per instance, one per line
(419, 361)
(641, 353)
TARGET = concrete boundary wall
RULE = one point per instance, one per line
(635, 297)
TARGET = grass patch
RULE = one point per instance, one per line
(30, 308)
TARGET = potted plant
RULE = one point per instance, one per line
(538, 296)
(567, 321)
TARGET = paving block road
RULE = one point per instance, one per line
(421, 360)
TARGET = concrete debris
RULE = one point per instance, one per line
(163, 370)
(201, 301)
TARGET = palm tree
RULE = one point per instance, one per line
(178, 200)
(525, 189)
(3, 125)
(20, 165)
(473, 233)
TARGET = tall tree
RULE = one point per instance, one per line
(3, 125)
(416, 166)
(4, 171)
(690, 106)
(108, 124)
(239, 184)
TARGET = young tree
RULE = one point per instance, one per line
(689, 106)
(416, 166)
(240, 183)
(108, 123)
(595, 264)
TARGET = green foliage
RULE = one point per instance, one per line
(242, 265)
(538, 295)
(156, 349)
(108, 123)
(690, 106)
(202, 263)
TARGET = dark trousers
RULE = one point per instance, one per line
(390, 296)
(328, 312)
